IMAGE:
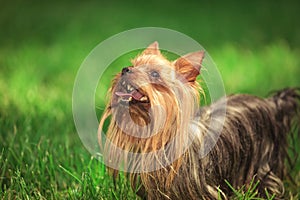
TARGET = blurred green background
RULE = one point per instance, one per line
(255, 44)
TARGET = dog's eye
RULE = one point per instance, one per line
(154, 74)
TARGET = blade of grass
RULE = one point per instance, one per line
(71, 174)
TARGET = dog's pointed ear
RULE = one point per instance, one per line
(152, 49)
(189, 66)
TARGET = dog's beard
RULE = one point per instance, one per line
(148, 117)
(144, 112)
(134, 110)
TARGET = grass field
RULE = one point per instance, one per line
(255, 44)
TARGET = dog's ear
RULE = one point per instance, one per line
(189, 66)
(152, 49)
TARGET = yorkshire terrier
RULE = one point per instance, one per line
(158, 132)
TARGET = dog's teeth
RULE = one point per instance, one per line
(131, 89)
(144, 98)
(123, 83)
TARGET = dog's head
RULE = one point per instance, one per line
(154, 88)
(152, 104)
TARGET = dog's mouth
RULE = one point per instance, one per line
(128, 94)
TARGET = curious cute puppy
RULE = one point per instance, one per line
(173, 149)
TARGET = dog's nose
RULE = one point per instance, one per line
(126, 70)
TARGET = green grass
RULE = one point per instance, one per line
(42, 44)
(249, 193)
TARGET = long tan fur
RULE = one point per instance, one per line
(157, 127)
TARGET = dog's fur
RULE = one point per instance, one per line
(163, 98)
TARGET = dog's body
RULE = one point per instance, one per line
(252, 143)
(156, 108)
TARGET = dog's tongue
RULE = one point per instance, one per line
(134, 94)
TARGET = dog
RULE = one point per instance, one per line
(156, 120)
